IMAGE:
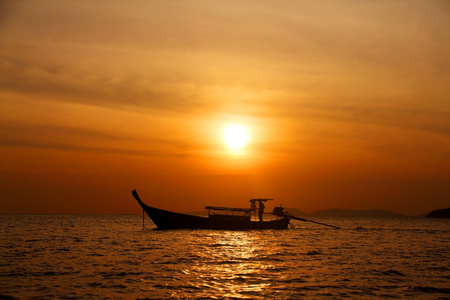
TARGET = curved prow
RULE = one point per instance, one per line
(136, 196)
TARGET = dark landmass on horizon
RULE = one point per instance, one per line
(339, 212)
(440, 213)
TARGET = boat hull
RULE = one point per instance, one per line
(164, 219)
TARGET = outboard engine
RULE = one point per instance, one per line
(278, 211)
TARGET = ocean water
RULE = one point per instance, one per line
(113, 257)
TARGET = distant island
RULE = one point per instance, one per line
(355, 213)
(440, 213)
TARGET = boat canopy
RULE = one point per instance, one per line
(260, 199)
(232, 209)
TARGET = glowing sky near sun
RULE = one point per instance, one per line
(346, 104)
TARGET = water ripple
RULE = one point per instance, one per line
(91, 257)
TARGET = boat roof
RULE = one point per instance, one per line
(260, 199)
(228, 208)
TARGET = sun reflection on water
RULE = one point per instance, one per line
(234, 264)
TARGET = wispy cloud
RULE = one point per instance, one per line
(334, 79)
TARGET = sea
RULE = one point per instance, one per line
(119, 257)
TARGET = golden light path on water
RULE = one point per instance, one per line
(239, 256)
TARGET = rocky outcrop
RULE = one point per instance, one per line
(440, 213)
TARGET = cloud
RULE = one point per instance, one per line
(347, 62)
(340, 90)
(58, 81)
(89, 141)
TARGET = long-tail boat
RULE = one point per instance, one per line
(223, 218)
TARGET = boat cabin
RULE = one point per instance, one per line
(228, 213)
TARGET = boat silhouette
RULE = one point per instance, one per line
(221, 218)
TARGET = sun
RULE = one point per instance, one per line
(235, 136)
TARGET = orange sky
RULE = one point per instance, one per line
(347, 104)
